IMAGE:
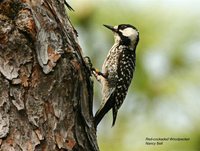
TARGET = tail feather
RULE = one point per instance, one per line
(114, 111)
(102, 111)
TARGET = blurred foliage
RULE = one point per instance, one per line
(164, 98)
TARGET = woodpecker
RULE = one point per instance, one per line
(117, 70)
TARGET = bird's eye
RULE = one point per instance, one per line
(123, 27)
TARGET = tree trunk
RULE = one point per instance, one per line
(45, 87)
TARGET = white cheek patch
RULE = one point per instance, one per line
(130, 33)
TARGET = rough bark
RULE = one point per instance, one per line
(45, 86)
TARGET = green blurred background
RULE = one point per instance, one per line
(164, 97)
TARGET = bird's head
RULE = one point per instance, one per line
(125, 34)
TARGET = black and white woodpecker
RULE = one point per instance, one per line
(117, 70)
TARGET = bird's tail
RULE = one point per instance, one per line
(102, 111)
(114, 111)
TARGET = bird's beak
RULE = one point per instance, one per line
(111, 28)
